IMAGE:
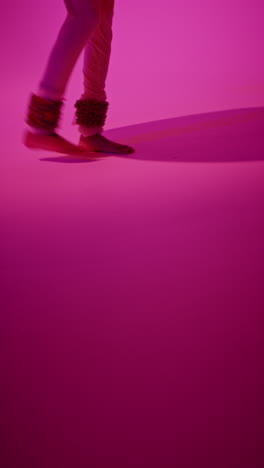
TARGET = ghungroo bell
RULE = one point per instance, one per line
(90, 112)
(43, 113)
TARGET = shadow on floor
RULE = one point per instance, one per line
(224, 136)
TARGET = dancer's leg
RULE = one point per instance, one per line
(78, 26)
(82, 17)
(96, 60)
(95, 68)
(44, 107)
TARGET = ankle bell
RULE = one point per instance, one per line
(43, 113)
(90, 112)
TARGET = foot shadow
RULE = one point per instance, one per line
(223, 136)
(70, 159)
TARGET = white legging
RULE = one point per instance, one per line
(88, 26)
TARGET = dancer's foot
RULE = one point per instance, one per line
(51, 142)
(101, 144)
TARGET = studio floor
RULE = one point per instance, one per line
(132, 298)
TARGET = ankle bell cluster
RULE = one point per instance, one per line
(43, 113)
(90, 112)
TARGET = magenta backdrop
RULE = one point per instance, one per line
(169, 57)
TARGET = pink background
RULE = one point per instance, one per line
(132, 287)
(169, 58)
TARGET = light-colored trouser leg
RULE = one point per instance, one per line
(96, 59)
(82, 18)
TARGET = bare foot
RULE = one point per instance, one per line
(99, 143)
(52, 142)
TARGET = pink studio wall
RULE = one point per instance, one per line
(169, 58)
